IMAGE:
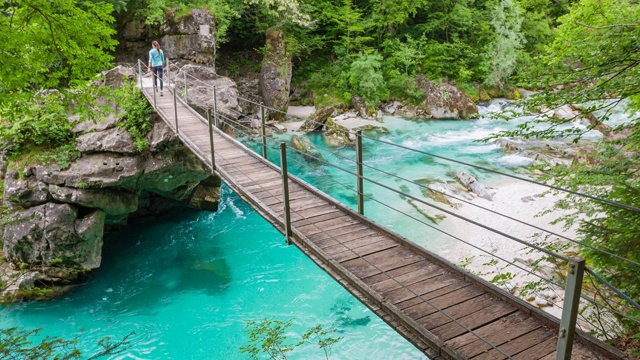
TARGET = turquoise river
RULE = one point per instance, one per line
(187, 283)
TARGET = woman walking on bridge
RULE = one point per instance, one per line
(156, 61)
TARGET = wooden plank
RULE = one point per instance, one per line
(423, 273)
(373, 248)
(496, 333)
(324, 212)
(442, 299)
(518, 345)
(384, 261)
(538, 350)
(342, 235)
(397, 272)
(323, 226)
(358, 242)
(464, 308)
(472, 321)
(420, 288)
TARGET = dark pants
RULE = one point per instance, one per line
(157, 74)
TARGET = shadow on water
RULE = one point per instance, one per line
(145, 269)
(341, 310)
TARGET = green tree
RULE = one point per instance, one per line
(502, 54)
(52, 44)
(366, 79)
(594, 61)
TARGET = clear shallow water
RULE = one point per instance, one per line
(187, 283)
(453, 139)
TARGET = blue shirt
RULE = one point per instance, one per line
(155, 58)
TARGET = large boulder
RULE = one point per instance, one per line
(115, 140)
(472, 184)
(206, 194)
(104, 119)
(336, 135)
(358, 104)
(318, 119)
(54, 232)
(275, 74)
(200, 81)
(190, 36)
(60, 213)
(444, 101)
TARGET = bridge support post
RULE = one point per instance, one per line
(213, 157)
(360, 172)
(570, 307)
(285, 192)
(186, 96)
(264, 134)
(215, 108)
(153, 89)
(140, 74)
(175, 107)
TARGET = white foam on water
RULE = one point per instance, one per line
(513, 160)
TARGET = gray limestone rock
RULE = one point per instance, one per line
(441, 101)
(474, 185)
(47, 232)
(115, 140)
(111, 201)
(200, 91)
(275, 74)
(358, 104)
(25, 192)
(161, 136)
(206, 195)
(318, 119)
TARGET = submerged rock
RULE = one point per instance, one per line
(474, 185)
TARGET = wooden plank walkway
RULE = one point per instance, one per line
(425, 298)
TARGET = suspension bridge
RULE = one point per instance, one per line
(443, 310)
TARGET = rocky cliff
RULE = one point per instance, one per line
(56, 217)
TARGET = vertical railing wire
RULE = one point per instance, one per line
(215, 108)
(575, 273)
(360, 172)
(175, 107)
(213, 158)
(285, 192)
(154, 88)
(186, 96)
(264, 133)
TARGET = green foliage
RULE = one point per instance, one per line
(502, 54)
(269, 337)
(38, 120)
(52, 44)
(136, 114)
(365, 78)
(593, 58)
(16, 343)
